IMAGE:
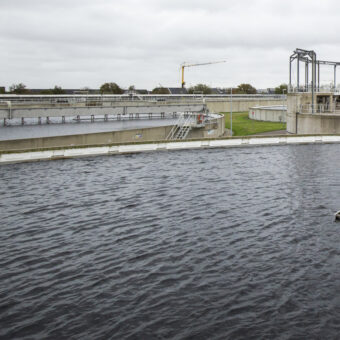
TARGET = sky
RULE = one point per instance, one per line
(82, 43)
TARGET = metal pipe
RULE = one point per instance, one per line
(298, 73)
(306, 75)
(334, 77)
(290, 73)
(318, 76)
(313, 78)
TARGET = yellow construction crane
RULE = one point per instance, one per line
(190, 65)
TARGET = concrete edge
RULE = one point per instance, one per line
(85, 151)
(269, 107)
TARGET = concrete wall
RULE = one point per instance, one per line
(318, 124)
(214, 105)
(72, 111)
(141, 135)
(268, 113)
(239, 104)
(213, 129)
(291, 125)
(300, 122)
(116, 149)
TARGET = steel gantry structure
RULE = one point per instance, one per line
(309, 58)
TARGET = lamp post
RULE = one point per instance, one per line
(231, 111)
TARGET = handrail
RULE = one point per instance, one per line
(319, 108)
(309, 88)
(177, 131)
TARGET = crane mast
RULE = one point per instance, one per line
(200, 64)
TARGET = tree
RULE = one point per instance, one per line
(233, 91)
(18, 88)
(160, 90)
(281, 89)
(202, 88)
(246, 89)
(132, 88)
(2, 89)
(110, 88)
(47, 91)
(58, 90)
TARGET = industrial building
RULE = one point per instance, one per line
(311, 107)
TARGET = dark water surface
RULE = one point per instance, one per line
(206, 244)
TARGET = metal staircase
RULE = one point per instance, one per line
(182, 127)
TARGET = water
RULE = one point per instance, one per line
(219, 244)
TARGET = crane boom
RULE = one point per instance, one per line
(200, 64)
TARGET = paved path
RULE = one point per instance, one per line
(271, 133)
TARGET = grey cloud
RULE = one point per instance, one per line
(80, 43)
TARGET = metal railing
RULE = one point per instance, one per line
(183, 126)
(320, 108)
(97, 98)
(309, 88)
(87, 118)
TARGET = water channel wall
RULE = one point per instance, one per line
(268, 113)
(212, 129)
(95, 150)
(33, 111)
(239, 104)
(126, 107)
(300, 121)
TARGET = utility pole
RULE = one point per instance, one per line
(231, 111)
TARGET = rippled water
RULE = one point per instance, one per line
(226, 244)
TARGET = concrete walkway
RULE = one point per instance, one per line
(271, 133)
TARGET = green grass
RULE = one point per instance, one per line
(243, 126)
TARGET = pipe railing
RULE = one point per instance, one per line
(308, 89)
(320, 108)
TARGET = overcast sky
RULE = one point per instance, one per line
(78, 43)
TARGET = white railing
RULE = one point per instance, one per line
(309, 88)
(183, 126)
(320, 108)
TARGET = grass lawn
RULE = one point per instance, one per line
(243, 126)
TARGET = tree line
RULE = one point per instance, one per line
(114, 88)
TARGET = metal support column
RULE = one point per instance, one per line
(306, 75)
(334, 77)
(298, 73)
(313, 78)
(290, 73)
(318, 76)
